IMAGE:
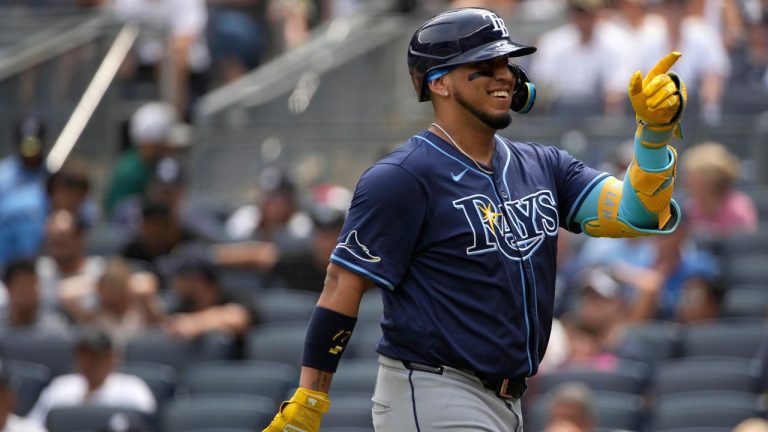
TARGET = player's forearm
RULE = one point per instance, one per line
(315, 379)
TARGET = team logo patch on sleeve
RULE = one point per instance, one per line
(353, 245)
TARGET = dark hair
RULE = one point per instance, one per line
(68, 179)
(155, 209)
(194, 265)
(13, 268)
(715, 286)
(93, 339)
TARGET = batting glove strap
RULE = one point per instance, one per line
(302, 413)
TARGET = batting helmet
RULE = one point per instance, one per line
(457, 37)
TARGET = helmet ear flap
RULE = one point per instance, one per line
(525, 92)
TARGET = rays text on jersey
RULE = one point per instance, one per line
(527, 222)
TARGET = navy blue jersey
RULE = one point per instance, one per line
(466, 259)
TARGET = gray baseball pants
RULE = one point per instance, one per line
(456, 401)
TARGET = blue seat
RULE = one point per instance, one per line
(218, 413)
(258, 378)
(724, 339)
(281, 342)
(55, 350)
(349, 411)
(626, 377)
(706, 373)
(95, 418)
(663, 337)
(281, 305)
(160, 378)
(29, 379)
(705, 409)
(355, 376)
(162, 348)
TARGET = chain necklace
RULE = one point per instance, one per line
(455, 144)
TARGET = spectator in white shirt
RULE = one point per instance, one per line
(96, 382)
(594, 62)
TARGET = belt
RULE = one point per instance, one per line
(505, 388)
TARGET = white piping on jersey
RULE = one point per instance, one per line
(523, 279)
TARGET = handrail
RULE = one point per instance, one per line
(92, 96)
(51, 43)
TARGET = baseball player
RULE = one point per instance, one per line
(458, 226)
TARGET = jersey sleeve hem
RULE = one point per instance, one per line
(570, 224)
(378, 280)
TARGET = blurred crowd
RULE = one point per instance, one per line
(200, 44)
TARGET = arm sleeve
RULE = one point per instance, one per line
(632, 210)
(381, 230)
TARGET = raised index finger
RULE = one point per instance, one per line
(662, 66)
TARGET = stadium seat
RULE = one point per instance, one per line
(55, 350)
(160, 378)
(106, 240)
(613, 411)
(691, 374)
(370, 307)
(347, 429)
(242, 283)
(278, 342)
(661, 336)
(217, 413)
(749, 301)
(280, 305)
(355, 376)
(349, 411)
(159, 347)
(364, 341)
(748, 269)
(721, 409)
(723, 339)
(627, 377)
(28, 379)
(698, 429)
(258, 378)
(83, 418)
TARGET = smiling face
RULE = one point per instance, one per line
(484, 90)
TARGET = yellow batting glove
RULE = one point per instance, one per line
(660, 97)
(302, 413)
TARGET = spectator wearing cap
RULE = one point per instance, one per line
(25, 165)
(10, 422)
(201, 306)
(23, 202)
(272, 214)
(604, 308)
(304, 266)
(126, 305)
(168, 186)
(160, 233)
(95, 382)
(150, 130)
(24, 310)
(65, 270)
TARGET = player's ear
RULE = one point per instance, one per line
(439, 87)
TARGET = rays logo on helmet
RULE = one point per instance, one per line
(353, 245)
(498, 23)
